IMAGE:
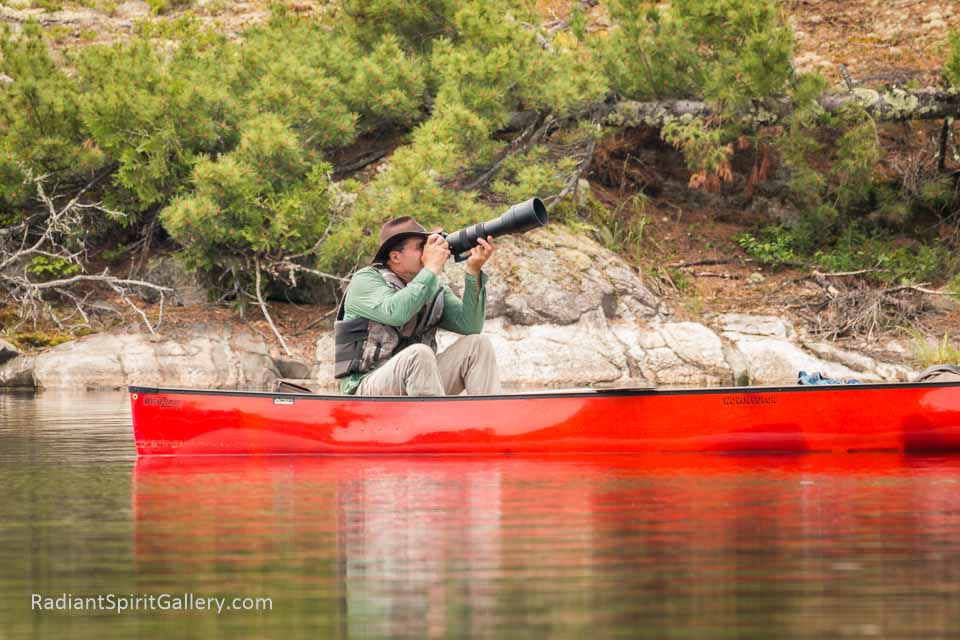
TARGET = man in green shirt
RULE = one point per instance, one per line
(386, 326)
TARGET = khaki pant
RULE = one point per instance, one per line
(467, 365)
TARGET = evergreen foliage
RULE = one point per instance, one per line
(951, 68)
(725, 51)
(230, 142)
(40, 118)
(415, 23)
(152, 118)
(531, 172)
(486, 65)
(263, 199)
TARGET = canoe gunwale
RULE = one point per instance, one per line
(545, 395)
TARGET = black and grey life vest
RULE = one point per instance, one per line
(362, 344)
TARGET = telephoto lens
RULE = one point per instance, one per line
(517, 219)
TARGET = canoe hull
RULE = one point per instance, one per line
(902, 417)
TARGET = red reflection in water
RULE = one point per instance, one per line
(403, 541)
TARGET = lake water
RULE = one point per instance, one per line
(670, 546)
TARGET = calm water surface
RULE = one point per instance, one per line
(815, 546)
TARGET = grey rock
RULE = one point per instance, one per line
(676, 353)
(578, 354)
(322, 370)
(132, 9)
(78, 17)
(169, 271)
(18, 373)
(738, 365)
(7, 351)
(855, 361)
(551, 276)
(772, 361)
(564, 312)
(740, 325)
(202, 356)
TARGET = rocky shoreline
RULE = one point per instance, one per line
(562, 312)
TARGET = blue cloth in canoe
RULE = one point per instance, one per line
(818, 378)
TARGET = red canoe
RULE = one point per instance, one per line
(843, 418)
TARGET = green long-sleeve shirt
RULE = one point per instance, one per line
(369, 296)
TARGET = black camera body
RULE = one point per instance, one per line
(519, 218)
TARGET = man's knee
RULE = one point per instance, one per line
(479, 343)
(419, 354)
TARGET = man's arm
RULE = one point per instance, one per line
(465, 316)
(369, 296)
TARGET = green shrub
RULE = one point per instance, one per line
(951, 68)
(40, 119)
(954, 286)
(532, 174)
(487, 63)
(388, 86)
(728, 51)
(858, 152)
(649, 54)
(925, 353)
(52, 268)
(164, 6)
(415, 22)
(621, 229)
(937, 195)
(774, 246)
(858, 248)
(47, 5)
(704, 149)
(39, 340)
(152, 118)
(261, 200)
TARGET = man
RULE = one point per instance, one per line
(386, 326)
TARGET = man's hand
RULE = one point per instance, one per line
(436, 251)
(479, 256)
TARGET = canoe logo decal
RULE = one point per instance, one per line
(752, 399)
(163, 403)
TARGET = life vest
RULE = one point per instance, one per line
(362, 344)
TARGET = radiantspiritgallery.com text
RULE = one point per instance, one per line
(125, 603)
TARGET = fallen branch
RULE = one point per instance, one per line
(921, 289)
(292, 268)
(123, 296)
(703, 263)
(55, 233)
(527, 138)
(102, 278)
(316, 321)
(360, 163)
(896, 105)
(725, 276)
(854, 309)
(266, 314)
(838, 274)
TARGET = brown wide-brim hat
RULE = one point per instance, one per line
(397, 229)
